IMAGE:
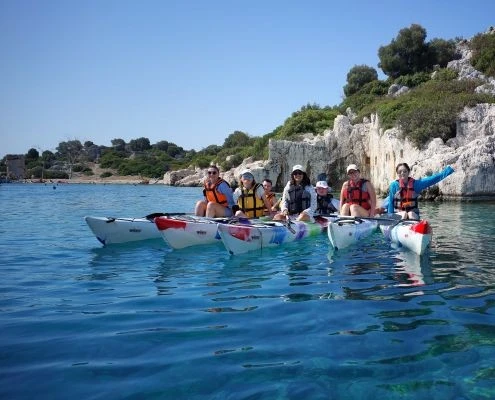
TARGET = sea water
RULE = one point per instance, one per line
(143, 321)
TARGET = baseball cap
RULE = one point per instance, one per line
(298, 167)
(352, 167)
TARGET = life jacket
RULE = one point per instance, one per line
(324, 204)
(406, 199)
(269, 197)
(213, 195)
(355, 194)
(299, 199)
(251, 204)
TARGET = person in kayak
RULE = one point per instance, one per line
(298, 197)
(403, 192)
(271, 197)
(219, 200)
(324, 199)
(250, 197)
(357, 197)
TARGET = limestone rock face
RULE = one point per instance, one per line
(376, 152)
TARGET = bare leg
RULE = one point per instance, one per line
(200, 209)
(345, 210)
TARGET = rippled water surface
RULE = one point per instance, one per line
(143, 321)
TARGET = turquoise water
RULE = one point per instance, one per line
(143, 321)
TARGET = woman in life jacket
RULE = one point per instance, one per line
(324, 199)
(250, 197)
(271, 197)
(357, 197)
(298, 197)
(404, 192)
(218, 201)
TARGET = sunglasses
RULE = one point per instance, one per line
(247, 176)
(297, 173)
(212, 172)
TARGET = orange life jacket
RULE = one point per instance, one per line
(406, 199)
(355, 194)
(212, 194)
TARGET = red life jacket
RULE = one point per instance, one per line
(406, 199)
(355, 194)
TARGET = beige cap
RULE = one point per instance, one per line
(298, 167)
(352, 167)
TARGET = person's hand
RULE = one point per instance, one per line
(285, 213)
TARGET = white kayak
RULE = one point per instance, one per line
(241, 238)
(110, 230)
(185, 231)
(346, 231)
(413, 235)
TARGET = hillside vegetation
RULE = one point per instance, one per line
(427, 110)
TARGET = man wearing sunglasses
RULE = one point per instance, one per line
(218, 200)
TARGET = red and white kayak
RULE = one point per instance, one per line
(109, 230)
(184, 231)
(241, 238)
(346, 231)
(413, 235)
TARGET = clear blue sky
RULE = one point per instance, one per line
(191, 72)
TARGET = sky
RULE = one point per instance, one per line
(192, 72)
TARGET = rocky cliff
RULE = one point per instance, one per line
(377, 152)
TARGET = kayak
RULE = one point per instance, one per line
(185, 231)
(241, 238)
(346, 231)
(413, 235)
(110, 230)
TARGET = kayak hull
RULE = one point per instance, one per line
(122, 230)
(413, 235)
(182, 232)
(239, 239)
(347, 231)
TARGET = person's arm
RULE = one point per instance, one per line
(342, 192)
(225, 189)
(393, 188)
(372, 193)
(427, 181)
(236, 195)
(313, 203)
(284, 203)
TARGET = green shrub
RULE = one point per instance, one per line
(106, 175)
(445, 74)
(413, 80)
(483, 59)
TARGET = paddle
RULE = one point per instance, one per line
(381, 220)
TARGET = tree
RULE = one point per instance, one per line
(357, 77)
(70, 151)
(118, 144)
(141, 144)
(237, 139)
(441, 52)
(32, 154)
(406, 54)
(162, 145)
